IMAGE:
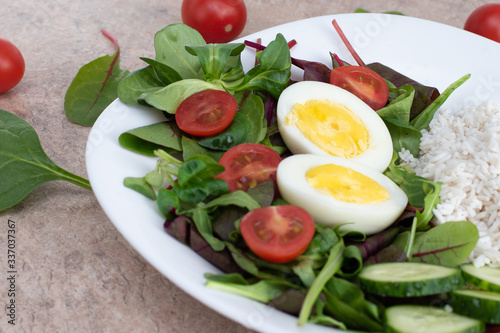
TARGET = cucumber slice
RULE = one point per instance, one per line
(428, 319)
(407, 279)
(480, 304)
(487, 278)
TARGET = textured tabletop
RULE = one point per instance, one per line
(75, 272)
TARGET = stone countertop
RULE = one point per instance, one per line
(76, 273)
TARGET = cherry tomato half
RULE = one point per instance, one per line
(248, 165)
(277, 233)
(485, 21)
(206, 113)
(218, 21)
(11, 65)
(366, 84)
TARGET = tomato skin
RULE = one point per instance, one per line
(218, 21)
(12, 65)
(366, 84)
(206, 113)
(277, 233)
(247, 165)
(485, 21)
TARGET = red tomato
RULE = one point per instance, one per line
(247, 165)
(11, 65)
(218, 21)
(366, 84)
(277, 233)
(485, 21)
(206, 113)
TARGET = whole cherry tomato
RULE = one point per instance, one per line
(11, 65)
(485, 21)
(218, 21)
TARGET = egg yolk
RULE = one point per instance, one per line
(330, 126)
(345, 184)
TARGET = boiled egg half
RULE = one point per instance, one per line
(341, 192)
(323, 119)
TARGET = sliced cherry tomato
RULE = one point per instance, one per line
(206, 113)
(11, 65)
(485, 21)
(277, 233)
(218, 21)
(248, 165)
(366, 84)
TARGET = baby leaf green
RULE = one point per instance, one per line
(448, 244)
(93, 89)
(23, 163)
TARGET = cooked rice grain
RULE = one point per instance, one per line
(461, 149)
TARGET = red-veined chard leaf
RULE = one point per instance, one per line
(448, 244)
(94, 88)
(23, 163)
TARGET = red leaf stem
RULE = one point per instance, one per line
(347, 44)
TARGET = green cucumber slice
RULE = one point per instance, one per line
(487, 278)
(428, 319)
(407, 279)
(480, 304)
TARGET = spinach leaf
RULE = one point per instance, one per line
(140, 184)
(214, 57)
(23, 163)
(273, 71)
(321, 318)
(170, 48)
(331, 267)
(139, 82)
(423, 120)
(248, 126)
(172, 64)
(94, 88)
(263, 291)
(347, 303)
(413, 185)
(169, 97)
(147, 139)
(232, 136)
(204, 226)
(448, 244)
(190, 147)
(164, 73)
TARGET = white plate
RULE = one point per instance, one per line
(429, 52)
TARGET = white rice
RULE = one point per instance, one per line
(461, 149)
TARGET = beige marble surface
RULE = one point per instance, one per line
(75, 271)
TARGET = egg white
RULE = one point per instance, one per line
(380, 149)
(325, 209)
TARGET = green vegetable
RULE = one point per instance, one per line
(487, 278)
(448, 244)
(406, 131)
(262, 291)
(23, 163)
(94, 88)
(423, 120)
(146, 139)
(331, 267)
(480, 304)
(346, 302)
(408, 279)
(185, 64)
(416, 318)
(361, 10)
